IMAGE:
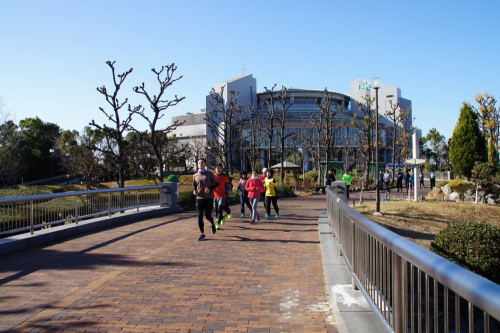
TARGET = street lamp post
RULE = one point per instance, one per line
(376, 85)
(51, 151)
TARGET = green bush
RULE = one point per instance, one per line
(483, 172)
(442, 183)
(284, 191)
(472, 245)
(233, 197)
(187, 200)
(456, 183)
(312, 176)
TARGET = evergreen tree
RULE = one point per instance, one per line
(467, 143)
(492, 153)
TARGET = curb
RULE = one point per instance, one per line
(350, 308)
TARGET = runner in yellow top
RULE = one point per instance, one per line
(347, 178)
(270, 183)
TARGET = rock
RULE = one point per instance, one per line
(470, 199)
(469, 192)
(455, 196)
(492, 196)
(446, 190)
(481, 193)
(490, 201)
(496, 186)
(437, 190)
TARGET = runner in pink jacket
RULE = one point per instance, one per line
(254, 186)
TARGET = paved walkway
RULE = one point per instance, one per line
(154, 276)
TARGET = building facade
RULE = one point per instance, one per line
(304, 103)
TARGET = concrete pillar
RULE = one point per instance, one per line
(169, 195)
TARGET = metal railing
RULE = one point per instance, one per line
(19, 214)
(410, 288)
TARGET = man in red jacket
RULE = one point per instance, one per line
(220, 196)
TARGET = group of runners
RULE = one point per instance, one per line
(211, 192)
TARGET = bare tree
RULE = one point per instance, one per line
(115, 147)
(156, 137)
(317, 122)
(394, 116)
(309, 142)
(325, 122)
(366, 133)
(270, 116)
(223, 122)
(282, 123)
(405, 135)
(254, 137)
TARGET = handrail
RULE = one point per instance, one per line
(370, 242)
(32, 212)
(71, 194)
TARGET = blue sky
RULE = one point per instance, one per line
(53, 56)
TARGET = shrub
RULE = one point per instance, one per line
(284, 191)
(233, 198)
(258, 167)
(472, 245)
(483, 172)
(312, 176)
(456, 183)
(442, 183)
(187, 200)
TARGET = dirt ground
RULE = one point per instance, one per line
(420, 222)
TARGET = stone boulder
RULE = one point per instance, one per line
(492, 196)
(447, 191)
(490, 201)
(455, 196)
(481, 193)
(469, 192)
(470, 198)
(437, 190)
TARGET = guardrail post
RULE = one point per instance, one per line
(398, 293)
(31, 218)
(137, 199)
(76, 209)
(109, 204)
(353, 258)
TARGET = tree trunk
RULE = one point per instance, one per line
(282, 158)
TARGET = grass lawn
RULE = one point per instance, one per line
(420, 222)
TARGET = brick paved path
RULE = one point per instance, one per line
(154, 276)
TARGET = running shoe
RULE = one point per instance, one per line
(202, 237)
(250, 214)
(223, 220)
(214, 228)
(218, 227)
(242, 215)
(268, 217)
(252, 222)
(229, 215)
(277, 214)
(258, 217)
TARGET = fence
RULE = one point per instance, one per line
(410, 288)
(38, 211)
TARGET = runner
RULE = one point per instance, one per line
(421, 179)
(244, 194)
(347, 178)
(220, 194)
(270, 183)
(262, 179)
(330, 178)
(406, 178)
(432, 177)
(399, 180)
(254, 186)
(387, 180)
(204, 182)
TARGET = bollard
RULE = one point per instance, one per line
(370, 197)
(386, 197)
(361, 200)
(353, 203)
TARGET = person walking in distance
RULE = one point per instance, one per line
(421, 180)
(387, 180)
(244, 194)
(347, 178)
(262, 179)
(270, 184)
(432, 177)
(399, 181)
(330, 178)
(220, 196)
(204, 183)
(381, 180)
(254, 186)
(406, 178)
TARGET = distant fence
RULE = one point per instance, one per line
(410, 288)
